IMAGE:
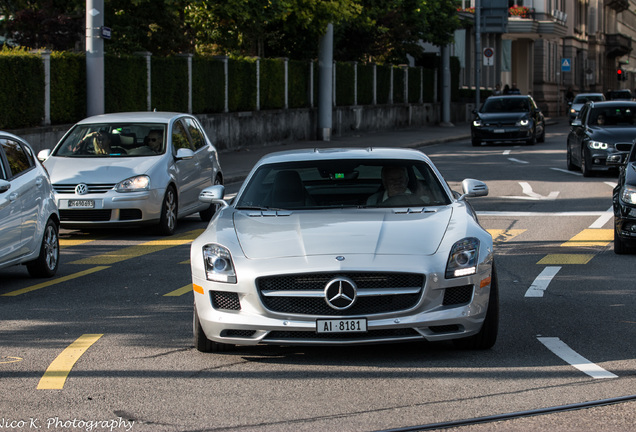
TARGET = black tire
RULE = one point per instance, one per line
(476, 142)
(48, 260)
(533, 139)
(620, 248)
(570, 165)
(487, 336)
(201, 342)
(209, 212)
(585, 170)
(541, 137)
(168, 219)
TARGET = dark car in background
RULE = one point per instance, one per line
(511, 118)
(619, 95)
(580, 100)
(596, 133)
(624, 199)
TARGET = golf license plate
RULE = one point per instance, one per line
(499, 130)
(81, 204)
(358, 325)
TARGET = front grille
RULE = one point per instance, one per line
(391, 300)
(129, 214)
(85, 215)
(95, 188)
(225, 300)
(309, 335)
(458, 295)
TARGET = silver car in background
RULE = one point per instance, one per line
(344, 246)
(29, 220)
(133, 168)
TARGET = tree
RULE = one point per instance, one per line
(275, 28)
(388, 30)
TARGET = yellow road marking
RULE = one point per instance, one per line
(55, 375)
(178, 292)
(64, 243)
(185, 262)
(54, 281)
(591, 237)
(500, 235)
(10, 359)
(139, 250)
(559, 259)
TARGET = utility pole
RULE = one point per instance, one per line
(94, 57)
(325, 84)
(477, 51)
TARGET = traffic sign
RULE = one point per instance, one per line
(566, 65)
(489, 54)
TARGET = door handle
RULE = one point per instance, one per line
(13, 197)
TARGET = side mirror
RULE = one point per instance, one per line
(44, 155)
(473, 188)
(213, 195)
(184, 153)
(4, 186)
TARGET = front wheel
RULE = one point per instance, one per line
(47, 262)
(620, 248)
(476, 142)
(201, 341)
(570, 165)
(585, 170)
(487, 336)
(168, 219)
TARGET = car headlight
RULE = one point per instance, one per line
(462, 260)
(572, 111)
(523, 122)
(218, 264)
(477, 123)
(597, 145)
(134, 184)
(628, 195)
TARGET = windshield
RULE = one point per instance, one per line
(581, 99)
(613, 116)
(343, 183)
(113, 140)
(504, 105)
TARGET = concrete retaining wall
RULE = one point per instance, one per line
(233, 131)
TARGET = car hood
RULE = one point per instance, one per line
(612, 134)
(577, 106)
(501, 117)
(97, 170)
(307, 233)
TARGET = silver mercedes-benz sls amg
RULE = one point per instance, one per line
(344, 246)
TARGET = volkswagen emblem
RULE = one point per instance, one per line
(341, 293)
(81, 189)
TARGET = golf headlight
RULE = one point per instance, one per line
(462, 260)
(134, 184)
(477, 123)
(597, 145)
(218, 264)
(628, 195)
(523, 122)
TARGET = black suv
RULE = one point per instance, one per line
(624, 199)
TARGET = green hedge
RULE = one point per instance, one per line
(21, 89)
(68, 87)
(208, 85)
(22, 86)
(125, 84)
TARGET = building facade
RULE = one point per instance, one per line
(550, 46)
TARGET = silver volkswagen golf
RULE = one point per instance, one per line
(344, 246)
(133, 168)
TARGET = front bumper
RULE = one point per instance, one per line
(110, 208)
(503, 133)
(443, 309)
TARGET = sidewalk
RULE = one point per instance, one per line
(236, 164)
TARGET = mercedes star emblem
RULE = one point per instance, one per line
(340, 293)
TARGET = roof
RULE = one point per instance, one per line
(368, 153)
(133, 117)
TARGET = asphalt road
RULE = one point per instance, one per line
(107, 343)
